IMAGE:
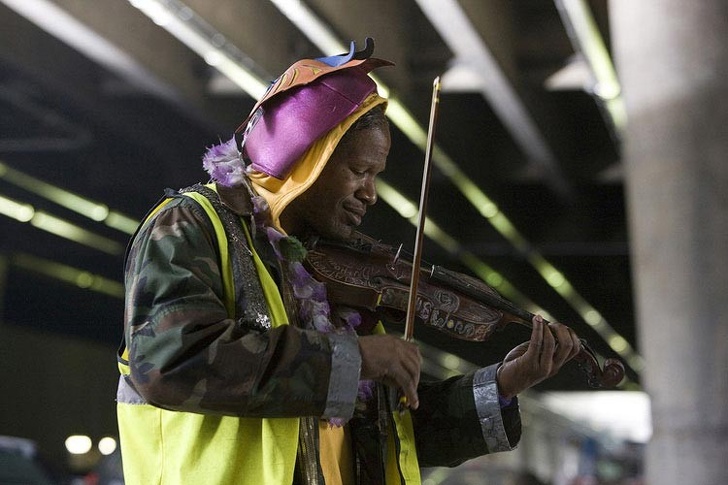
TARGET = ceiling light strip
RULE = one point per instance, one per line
(192, 30)
(60, 227)
(93, 210)
(586, 39)
(68, 274)
(59, 23)
(307, 22)
(26, 213)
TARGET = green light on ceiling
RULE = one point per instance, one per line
(62, 228)
(93, 210)
(555, 278)
(16, 210)
(618, 343)
(394, 199)
(593, 317)
(69, 274)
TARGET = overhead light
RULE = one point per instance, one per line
(16, 210)
(86, 207)
(404, 206)
(462, 78)
(78, 444)
(55, 225)
(107, 445)
(311, 26)
(56, 21)
(60, 227)
(586, 39)
(575, 75)
(68, 274)
(193, 31)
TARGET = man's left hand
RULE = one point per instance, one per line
(550, 347)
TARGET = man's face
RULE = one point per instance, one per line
(337, 202)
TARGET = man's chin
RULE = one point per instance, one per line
(342, 233)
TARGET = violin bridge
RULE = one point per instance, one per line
(392, 265)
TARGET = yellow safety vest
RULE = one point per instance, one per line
(161, 447)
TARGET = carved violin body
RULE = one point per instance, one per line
(370, 275)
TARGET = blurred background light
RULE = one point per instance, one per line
(623, 414)
(78, 444)
(107, 445)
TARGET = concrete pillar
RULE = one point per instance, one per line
(672, 60)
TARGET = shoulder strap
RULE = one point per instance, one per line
(226, 271)
(244, 296)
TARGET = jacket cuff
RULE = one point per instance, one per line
(344, 378)
(485, 392)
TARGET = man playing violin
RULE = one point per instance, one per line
(236, 368)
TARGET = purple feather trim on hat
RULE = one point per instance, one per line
(224, 163)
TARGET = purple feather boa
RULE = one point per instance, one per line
(315, 311)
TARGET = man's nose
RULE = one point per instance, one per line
(368, 192)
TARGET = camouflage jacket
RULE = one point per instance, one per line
(187, 354)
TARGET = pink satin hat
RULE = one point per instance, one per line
(310, 98)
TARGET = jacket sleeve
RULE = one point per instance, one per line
(186, 354)
(460, 418)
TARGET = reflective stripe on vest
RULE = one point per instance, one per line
(401, 461)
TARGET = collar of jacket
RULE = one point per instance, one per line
(236, 199)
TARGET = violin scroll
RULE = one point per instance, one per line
(608, 377)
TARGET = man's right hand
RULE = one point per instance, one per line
(392, 361)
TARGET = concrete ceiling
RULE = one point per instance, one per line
(97, 99)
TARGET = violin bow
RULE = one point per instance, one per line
(409, 326)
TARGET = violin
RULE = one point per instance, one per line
(367, 274)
